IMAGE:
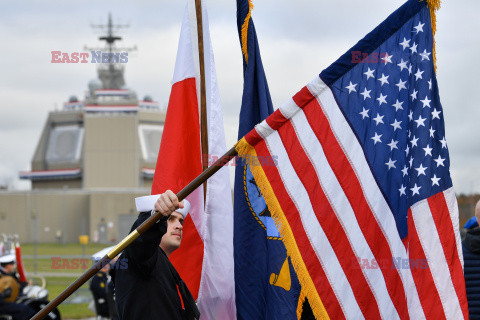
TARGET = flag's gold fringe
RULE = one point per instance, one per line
(244, 31)
(301, 300)
(308, 288)
(434, 5)
(243, 147)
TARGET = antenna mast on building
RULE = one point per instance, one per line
(111, 72)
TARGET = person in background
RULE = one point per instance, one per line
(98, 287)
(471, 257)
(16, 310)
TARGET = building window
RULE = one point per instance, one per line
(64, 144)
(150, 137)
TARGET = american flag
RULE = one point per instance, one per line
(362, 191)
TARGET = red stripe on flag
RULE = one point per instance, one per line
(427, 291)
(276, 120)
(348, 180)
(443, 223)
(303, 97)
(313, 265)
(252, 137)
(326, 216)
(179, 162)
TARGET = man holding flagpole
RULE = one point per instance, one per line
(150, 288)
(205, 259)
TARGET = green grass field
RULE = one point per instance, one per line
(49, 265)
(60, 249)
(57, 283)
(55, 286)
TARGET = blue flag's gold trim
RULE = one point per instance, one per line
(245, 30)
(308, 288)
(301, 300)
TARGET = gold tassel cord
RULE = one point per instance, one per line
(433, 5)
(244, 149)
(244, 31)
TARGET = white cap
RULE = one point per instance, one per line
(8, 258)
(147, 203)
(100, 254)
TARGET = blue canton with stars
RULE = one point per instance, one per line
(394, 108)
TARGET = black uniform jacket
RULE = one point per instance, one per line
(146, 286)
(98, 287)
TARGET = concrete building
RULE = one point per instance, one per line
(92, 159)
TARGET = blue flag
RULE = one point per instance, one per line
(266, 286)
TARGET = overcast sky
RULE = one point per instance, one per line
(298, 39)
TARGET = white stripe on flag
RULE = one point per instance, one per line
(319, 241)
(344, 212)
(437, 263)
(263, 129)
(452, 206)
(289, 108)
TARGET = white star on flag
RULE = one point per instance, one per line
(365, 94)
(398, 105)
(414, 141)
(351, 87)
(414, 95)
(391, 163)
(378, 119)
(405, 44)
(435, 180)
(384, 79)
(401, 85)
(428, 150)
(396, 125)
(364, 113)
(376, 138)
(436, 114)
(413, 48)
(425, 55)
(421, 170)
(444, 143)
(393, 145)
(405, 171)
(439, 161)
(382, 99)
(387, 58)
(420, 121)
(418, 75)
(426, 102)
(419, 27)
(369, 73)
(415, 190)
(402, 65)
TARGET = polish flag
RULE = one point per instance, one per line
(205, 257)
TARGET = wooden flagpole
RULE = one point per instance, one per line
(201, 178)
(203, 97)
